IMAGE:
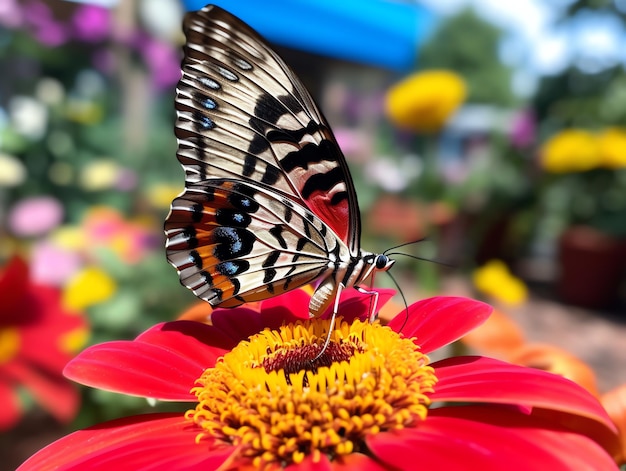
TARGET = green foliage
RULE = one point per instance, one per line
(468, 45)
(574, 98)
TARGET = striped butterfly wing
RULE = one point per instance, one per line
(233, 242)
(248, 131)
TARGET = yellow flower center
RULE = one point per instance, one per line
(9, 344)
(277, 400)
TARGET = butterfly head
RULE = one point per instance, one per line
(373, 263)
(382, 262)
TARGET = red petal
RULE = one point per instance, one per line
(163, 363)
(237, 324)
(53, 392)
(13, 286)
(485, 380)
(308, 465)
(489, 439)
(11, 409)
(441, 320)
(286, 308)
(196, 340)
(359, 461)
(139, 443)
(357, 305)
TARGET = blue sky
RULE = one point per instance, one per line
(535, 45)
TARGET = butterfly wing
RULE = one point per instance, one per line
(243, 114)
(233, 242)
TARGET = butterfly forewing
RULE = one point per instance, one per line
(242, 113)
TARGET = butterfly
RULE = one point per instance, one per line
(269, 204)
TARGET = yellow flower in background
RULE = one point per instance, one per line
(424, 101)
(612, 148)
(494, 279)
(99, 175)
(161, 195)
(571, 150)
(84, 112)
(88, 287)
(69, 237)
(12, 171)
(74, 341)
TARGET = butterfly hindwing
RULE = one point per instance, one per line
(243, 114)
(233, 242)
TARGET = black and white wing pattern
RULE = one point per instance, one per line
(269, 204)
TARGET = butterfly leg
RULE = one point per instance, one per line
(331, 326)
(374, 303)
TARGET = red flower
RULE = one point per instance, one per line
(37, 339)
(366, 402)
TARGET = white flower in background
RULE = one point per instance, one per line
(28, 117)
(391, 175)
(50, 91)
(12, 171)
(162, 18)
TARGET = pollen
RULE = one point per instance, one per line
(278, 397)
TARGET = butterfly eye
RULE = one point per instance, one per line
(381, 261)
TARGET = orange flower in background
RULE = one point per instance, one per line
(612, 148)
(498, 336)
(502, 338)
(424, 101)
(571, 150)
(557, 361)
(131, 240)
(37, 338)
(614, 402)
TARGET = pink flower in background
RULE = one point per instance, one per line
(11, 14)
(35, 216)
(91, 23)
(523, 130)
(53, 265)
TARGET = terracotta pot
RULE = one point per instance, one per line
(592, 266)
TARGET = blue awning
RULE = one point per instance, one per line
(384, 33)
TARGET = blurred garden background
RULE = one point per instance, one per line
(494, 133)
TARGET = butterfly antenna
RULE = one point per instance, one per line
(386, 252)
(406, 305)
(422, 259)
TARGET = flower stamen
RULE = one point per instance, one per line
(277, 402)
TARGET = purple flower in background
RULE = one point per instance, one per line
(91, 23)
(44, 26)
(523, 130)
(35, 216)
(162, 59)
(126, 180)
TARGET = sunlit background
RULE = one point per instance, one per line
(493, 133)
